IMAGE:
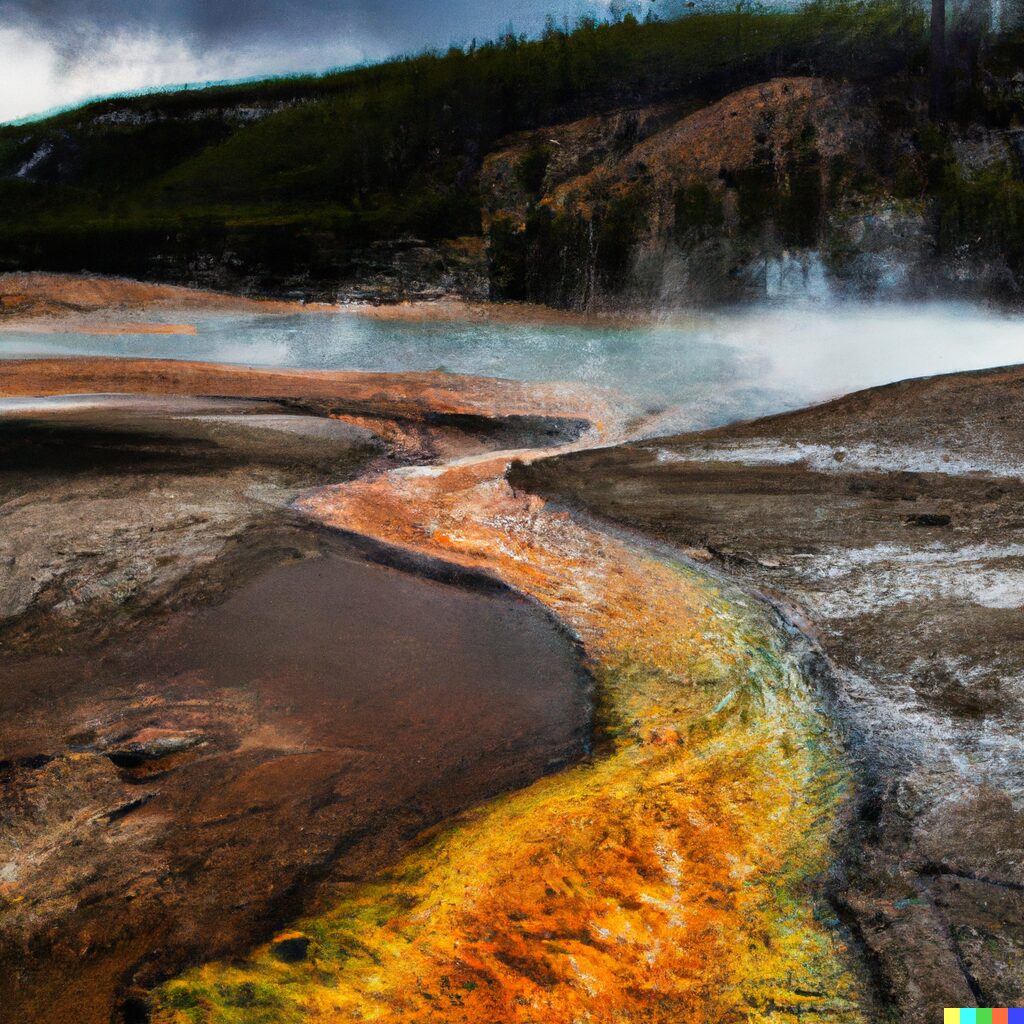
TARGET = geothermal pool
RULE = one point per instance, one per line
(689, 373)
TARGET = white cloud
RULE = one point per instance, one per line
(34, 77)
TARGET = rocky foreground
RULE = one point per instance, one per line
(189, 759)
(889, 525)
(206, 718)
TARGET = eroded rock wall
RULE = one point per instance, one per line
(793, 188)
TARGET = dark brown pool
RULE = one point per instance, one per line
(187, 792)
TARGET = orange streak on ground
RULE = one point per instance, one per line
(70, 300)
(671, 879)
(381, 395)
(142, 328)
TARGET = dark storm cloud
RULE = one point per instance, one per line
(55, 53)
(379, 25)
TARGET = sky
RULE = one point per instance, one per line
(60, 52)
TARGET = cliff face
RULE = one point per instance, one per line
(681, 214)
(795, 187)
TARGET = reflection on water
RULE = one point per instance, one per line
(696, 372)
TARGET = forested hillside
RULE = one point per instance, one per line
(370, 181)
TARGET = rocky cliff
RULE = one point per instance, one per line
(793, 188)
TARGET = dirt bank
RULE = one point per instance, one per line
(432, 398)
(88, 303)
(891, 524)
(24, 295)
(109, 504)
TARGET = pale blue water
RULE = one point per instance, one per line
(698, 371)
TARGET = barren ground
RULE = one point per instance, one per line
(890, 525)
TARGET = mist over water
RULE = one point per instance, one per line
(689, 372)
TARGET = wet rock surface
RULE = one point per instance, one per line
(889, 525)
(214, 714)
(107, 504)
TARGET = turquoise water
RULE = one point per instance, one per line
(693, 372)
